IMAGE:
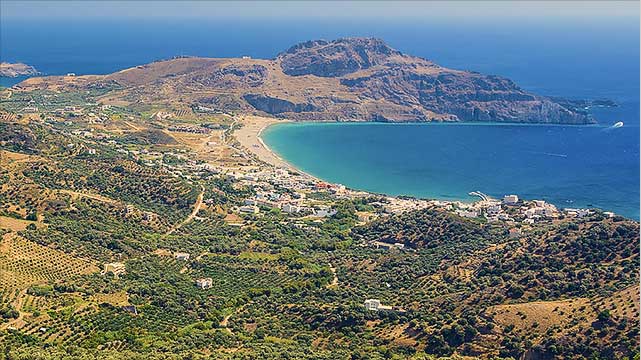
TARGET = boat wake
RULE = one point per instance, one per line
(615, 126)
(549, 154)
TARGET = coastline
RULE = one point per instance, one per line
(250, 137)
(256, 125)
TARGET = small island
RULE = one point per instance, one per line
(16, 69)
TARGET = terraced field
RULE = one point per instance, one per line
(23, 262)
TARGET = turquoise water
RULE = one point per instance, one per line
(554, 56)
(570, 166)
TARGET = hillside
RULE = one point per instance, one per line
(566, 290)
(162, 192)
(355, 79)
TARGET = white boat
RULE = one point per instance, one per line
(618, 124)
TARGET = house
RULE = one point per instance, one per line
(291, 208)
(468, 214)
(116, 268)
(582, 213)
(130, 309)
(510, 199)
(375, 305)
(181, 256)
(324, 211)
(249, 209)
(204, 283)
(539, 203)
(372, 304)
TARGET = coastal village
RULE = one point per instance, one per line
(249, 233)
(229, 146)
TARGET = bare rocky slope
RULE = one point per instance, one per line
(17, 69)
(352, 79)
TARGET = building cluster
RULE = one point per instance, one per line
(511, 209)
(280, 189)
(189, 129)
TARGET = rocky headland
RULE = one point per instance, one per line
(352, 79)
(16, 69)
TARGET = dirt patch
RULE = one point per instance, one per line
(13, 224)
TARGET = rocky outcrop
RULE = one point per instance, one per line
(378, 73)
(335, 58)
(274, 105)
(17, 69)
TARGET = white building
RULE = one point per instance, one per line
(468, 214)
(249, 209)
(510, 199)
(181, 256)
(582, 212)
(539, 203)
(372, 304)
(204, 283)
(325, 212)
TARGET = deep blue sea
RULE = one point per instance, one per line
(567, 165)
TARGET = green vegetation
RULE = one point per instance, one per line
(282, 285)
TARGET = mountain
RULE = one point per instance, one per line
(355, 79)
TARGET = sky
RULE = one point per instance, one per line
(580, 10)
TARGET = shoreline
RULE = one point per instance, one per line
(250, 137)
(253, 136)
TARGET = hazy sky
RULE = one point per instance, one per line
(332, 9)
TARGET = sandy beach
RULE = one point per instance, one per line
(249, 137)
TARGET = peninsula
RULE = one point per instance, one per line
(352, 79)
(16, 69)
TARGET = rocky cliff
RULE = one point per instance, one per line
(430, 92)
(353, 79)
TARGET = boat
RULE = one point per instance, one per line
(618, 124)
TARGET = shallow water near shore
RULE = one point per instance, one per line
(570, 166)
